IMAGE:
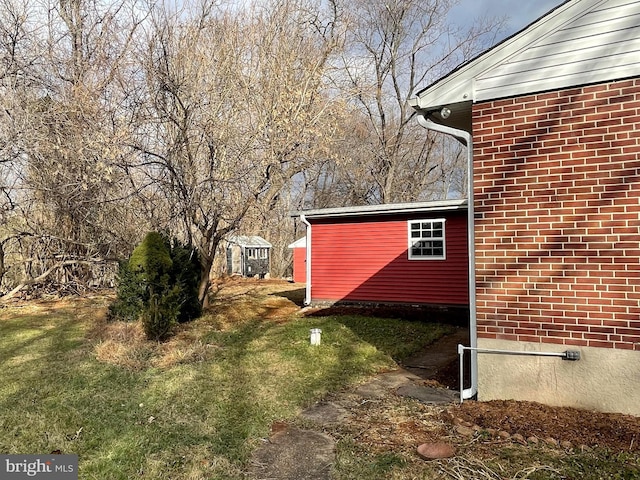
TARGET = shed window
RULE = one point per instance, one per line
(256, 253)
(426, 239)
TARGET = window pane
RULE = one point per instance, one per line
(426, 239)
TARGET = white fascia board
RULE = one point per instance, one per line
(384, 209)
(459, 86)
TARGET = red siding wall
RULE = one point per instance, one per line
(366, 260)
(300, 265)
(557, 199)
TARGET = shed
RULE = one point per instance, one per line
(299, 248)
(551, 119)
(413, 253)
(248, 256)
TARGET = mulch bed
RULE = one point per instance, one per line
(613, 431)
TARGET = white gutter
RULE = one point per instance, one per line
(465, 138)
(307, 295)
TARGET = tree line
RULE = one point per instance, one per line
(202, 118)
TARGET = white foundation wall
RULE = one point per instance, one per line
(606, 380)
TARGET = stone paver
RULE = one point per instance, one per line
(294, 454)
(325, 413)
(429, 395)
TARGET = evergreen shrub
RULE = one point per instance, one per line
(158, 285)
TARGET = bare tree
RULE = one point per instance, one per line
(65, 122)
(199, 118)
(394, 47)
(230, 109)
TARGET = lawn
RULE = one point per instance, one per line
(197, 406)
(194, 407)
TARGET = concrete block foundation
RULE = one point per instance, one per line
(606, 380)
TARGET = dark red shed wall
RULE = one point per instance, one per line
(366, 260)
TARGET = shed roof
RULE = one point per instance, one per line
(300, 243)
(249, 241)
(579, 42)
(385, 209)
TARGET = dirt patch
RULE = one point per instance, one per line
(438, 366)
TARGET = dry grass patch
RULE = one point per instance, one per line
(239, 300)
(124, 344)
(236, 303)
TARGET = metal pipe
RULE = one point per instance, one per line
(307, 294)
(566, 355)
(465, 138)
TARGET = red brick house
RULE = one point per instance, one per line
(552, 119)
(413, 253)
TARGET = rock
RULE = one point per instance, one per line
(476, 428)
(552, 442)
(429, 395)
(516, 437)
(325, 413)
(567, 445)
(534, 440)
(434, 451)
(504, 435)
(465, 431)
(491, 431)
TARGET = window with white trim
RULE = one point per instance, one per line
(426, 239)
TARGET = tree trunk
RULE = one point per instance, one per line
(205, 282)
(207, 252)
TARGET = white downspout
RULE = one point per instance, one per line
(466, 138)
(307, 296)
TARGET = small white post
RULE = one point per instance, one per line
(316, 334)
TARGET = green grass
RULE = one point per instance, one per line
(230, 375)
(193, 419)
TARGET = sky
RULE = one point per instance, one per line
(519, 13)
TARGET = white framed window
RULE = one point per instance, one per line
(426, 239)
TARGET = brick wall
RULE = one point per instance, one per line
(557, 200)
